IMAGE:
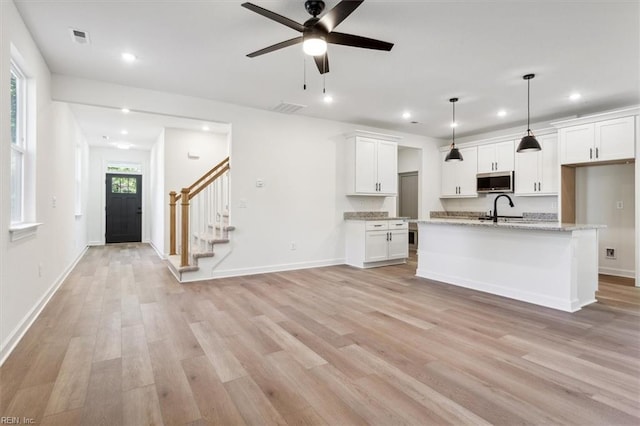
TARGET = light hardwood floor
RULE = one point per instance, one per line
(121, 343)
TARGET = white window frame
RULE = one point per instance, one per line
(19, 148)
(22, 219)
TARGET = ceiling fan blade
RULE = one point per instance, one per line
(358, 41)
(276, 46)
(274, 16)
(322, 62)
(339, 13)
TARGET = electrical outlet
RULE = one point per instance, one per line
(610, 253)
(619, 205)
(294, 246)
(259, 183)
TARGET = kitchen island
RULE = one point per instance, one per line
(545, 263)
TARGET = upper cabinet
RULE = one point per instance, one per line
(496, 157)
(372, 165)
(607, 140)
(458, 178)
(536, 173)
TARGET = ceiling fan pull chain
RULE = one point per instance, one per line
(304, 72)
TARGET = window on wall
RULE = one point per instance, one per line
(123, 185)
(78, 181)
(18, 143)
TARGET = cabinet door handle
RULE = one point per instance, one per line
(590, 153)
(377, 226)
(534, 187)
(597, 154)
(390, 236)
(538, 186)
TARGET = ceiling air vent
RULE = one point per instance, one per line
(78, 36)
(287, 108)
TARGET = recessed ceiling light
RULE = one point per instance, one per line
(205, 128)
(124, 132)
(123, 146)
(128, 57)
(327, 99)
(125, 110)
(454, 124)
(575, 96)
(502, 113)
(406, 115)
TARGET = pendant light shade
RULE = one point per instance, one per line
(454, 154)
(529, 143)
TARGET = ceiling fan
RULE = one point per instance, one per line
(317, 32)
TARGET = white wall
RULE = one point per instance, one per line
(598, 190)
(409, 160)
(180, 170)
(99, 158)
(300, 160)
(32, 268)
(157, 196)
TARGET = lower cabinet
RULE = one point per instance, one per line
(376, 242)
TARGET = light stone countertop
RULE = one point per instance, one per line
(378, 218)
(519, 224)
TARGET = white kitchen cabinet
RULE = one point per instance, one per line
(372, 243)
(372, 166)
(536, 173)
(607, 140)
(458, 178)
(496, 157)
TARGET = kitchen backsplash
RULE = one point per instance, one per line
(484, 203)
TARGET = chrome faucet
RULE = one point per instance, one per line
(495, 206)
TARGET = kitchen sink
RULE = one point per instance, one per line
(508, 219)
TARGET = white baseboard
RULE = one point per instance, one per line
(271, 268)
(95, 243)
(627, 273)
(21, 329)
(160, 254)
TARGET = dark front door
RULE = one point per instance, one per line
(124, 208)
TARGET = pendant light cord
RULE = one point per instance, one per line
(454, 124)
(528, 105)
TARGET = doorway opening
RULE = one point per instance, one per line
(123, 208)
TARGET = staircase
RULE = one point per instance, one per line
(202, 239)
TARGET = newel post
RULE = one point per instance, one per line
(184, 253)
(172, 222)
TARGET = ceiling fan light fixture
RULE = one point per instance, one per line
(314, 46)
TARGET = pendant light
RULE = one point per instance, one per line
(529, 142)
(454, 154)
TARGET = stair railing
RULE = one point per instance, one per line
(216, 174)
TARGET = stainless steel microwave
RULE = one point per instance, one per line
(495, 182)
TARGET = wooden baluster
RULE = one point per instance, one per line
(172, 223)
(184, 255)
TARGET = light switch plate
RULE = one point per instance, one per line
(259, 183)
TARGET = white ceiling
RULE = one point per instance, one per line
(104, 126)
(475, 50)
